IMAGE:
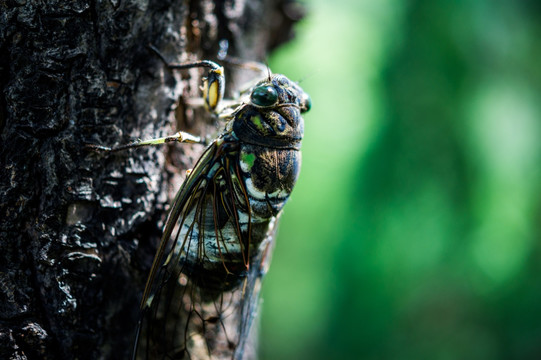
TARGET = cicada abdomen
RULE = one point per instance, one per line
(201, 294)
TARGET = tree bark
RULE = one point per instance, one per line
(78, 230)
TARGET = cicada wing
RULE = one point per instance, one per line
(195, 301)
(158, 302)
(249, 304)
(190, 189)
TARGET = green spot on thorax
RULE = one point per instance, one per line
(256, 120)
(249, 159)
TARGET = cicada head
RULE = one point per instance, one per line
(273, 115)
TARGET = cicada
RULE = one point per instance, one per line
(201, 293)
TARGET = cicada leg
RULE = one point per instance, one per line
(213, 84)
(181, 137)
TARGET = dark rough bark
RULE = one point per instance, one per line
(78, 230)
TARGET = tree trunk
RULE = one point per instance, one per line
(78, 230)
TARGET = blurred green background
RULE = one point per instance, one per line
(414, 230)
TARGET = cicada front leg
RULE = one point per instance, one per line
(181, 137)
(213, 84)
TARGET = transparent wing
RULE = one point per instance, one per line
(201, 293)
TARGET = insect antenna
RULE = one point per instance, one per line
(268, 71)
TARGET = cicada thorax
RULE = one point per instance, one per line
(269, 175)
(270, 138)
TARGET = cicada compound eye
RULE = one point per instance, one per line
(264, 95)
(306, 104)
